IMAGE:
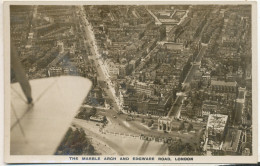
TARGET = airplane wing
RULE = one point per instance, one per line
(39, 128)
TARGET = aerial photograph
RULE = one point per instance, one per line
(166, 80)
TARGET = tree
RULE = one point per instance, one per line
(75, 143)
(218, 153)
(174, 92)
(182, 126)
(104, 119)
(143, 120)
(81, 114)
(175, 148)
(150, 123)
(190, 127)
(188, 149)
(93, 111)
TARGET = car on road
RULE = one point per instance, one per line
(119, 112)
(114, 116)
(129, 119)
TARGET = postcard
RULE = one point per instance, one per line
(130, 82)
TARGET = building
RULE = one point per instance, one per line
(130, 101)
(144, 104)
(164, 124)
(97, 118)
(232, 141)
(206, 76)
(112, 68)
(240, 107)
(174, 47)
(132, 64)
(123, 70)
(224, 87)
(145, 88)
(216, 129)
(209, 107)
(54, 71)
(60, 45)
(198, 75)
(246, 152)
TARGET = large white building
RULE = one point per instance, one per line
(145, 88)
(215, 131)
(60, 45)
(112, 68)
(165, 124)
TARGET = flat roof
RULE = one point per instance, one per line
(165, 118)
(217, 121)
(232, 140)
(223, 83)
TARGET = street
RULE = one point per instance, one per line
(102, 71)
(175, 110)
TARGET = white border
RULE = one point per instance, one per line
(215, 159)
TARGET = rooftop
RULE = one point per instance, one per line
(165, 118)
(232, 140)
(223, 83)
(217, 122)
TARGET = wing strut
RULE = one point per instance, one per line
(20, 74)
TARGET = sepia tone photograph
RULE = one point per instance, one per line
(130, 82)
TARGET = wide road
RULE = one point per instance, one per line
(102, 71)
(119, 120)
(175, 110)
(102, 76)
(195, 66)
